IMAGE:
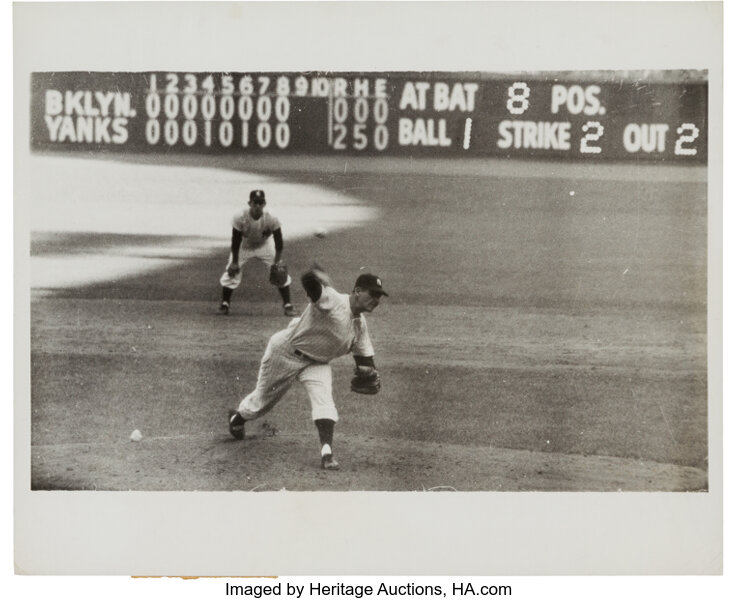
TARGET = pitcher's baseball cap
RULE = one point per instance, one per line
(370, 282)
(258, 197)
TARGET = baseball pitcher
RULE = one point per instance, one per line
(332, 325)
(256, 235)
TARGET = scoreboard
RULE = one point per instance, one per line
(415, 113)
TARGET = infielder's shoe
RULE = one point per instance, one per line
(236, 424)
(289, 310)
(329, 463)
(224, 308)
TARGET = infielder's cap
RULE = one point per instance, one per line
(258, 196)
(370, 282)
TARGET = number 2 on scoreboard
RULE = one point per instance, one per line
(688, 133)
(591, 136)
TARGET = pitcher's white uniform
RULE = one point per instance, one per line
(332, 325)
(257, 243)
(326, 330)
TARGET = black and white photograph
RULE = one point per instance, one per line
(484, 245)
(488, 281)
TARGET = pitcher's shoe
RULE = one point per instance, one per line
(329, 463)
(236, 425)
(224, 308)
(289, 310)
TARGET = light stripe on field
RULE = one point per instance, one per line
(192, 205)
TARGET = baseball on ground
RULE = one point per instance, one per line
(321, 232)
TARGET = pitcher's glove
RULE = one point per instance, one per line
(278, 274)
(365, 380)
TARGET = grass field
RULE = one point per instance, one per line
(533, 340)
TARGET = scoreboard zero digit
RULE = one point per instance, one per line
(399, 114)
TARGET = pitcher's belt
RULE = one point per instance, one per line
(303, 355)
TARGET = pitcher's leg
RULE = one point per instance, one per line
(318, 381)
(278, 370)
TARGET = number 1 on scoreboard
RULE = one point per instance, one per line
(467, 134)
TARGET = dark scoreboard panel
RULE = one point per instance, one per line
(412, 114)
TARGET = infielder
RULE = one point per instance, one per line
(253, 229)
(332, 325)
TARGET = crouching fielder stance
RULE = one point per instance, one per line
(250, 238)
(332, 325)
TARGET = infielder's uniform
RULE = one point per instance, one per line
(332, 325)
(257, 243)
(256, 234)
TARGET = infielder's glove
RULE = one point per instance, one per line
(365, 380)
(233, 269)
(278, 274)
